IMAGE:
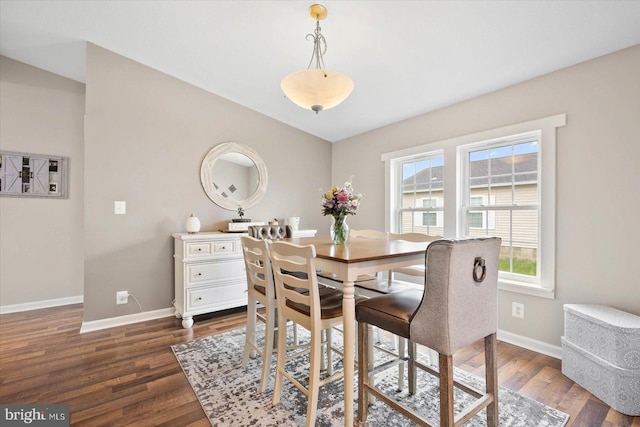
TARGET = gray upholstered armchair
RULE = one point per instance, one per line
(457, 307)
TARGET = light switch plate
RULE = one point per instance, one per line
(120, 208)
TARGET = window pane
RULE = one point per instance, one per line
(429, 203)
(479, 196)
(478, 176)
(423, 175)
(479, 166)
(429, 223)
(430, 219)
(421, 179)
(525, 243)
(406, 222)
(408, 199)
(475, 219)
(526, 194)
(526, 157)
(519, 233)
(408, 185)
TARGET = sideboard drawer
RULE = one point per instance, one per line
(217, 295)
(224, 247)
(198, 249)
(214, 271)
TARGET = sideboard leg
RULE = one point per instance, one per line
(187, 322)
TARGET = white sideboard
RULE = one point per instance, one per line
(209, 273)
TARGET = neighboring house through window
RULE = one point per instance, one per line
(494, 183)
(420, 197)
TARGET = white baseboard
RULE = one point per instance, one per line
(14, 308)
(96, 325)
(530, 344)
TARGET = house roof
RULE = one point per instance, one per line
(406, 57)
(503, 171)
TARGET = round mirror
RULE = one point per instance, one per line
(233, 175)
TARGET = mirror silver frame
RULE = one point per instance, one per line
(206, 175)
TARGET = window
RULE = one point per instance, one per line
(420, 195)
(499, 182)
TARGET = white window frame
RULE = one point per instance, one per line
(490, 208)
(453, 226)
(397, 196)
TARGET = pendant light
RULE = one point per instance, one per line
(316, 88)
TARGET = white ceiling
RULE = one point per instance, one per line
(405, 57)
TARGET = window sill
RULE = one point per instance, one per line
(526, 288)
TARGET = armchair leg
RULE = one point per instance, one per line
(402, 343)
(490, 350)
(446, 390)
(411, 371)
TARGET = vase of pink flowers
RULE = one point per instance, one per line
(340, 203)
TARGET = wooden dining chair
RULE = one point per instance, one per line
(389, 284)
(368, 234)
(260, 290)
(300, 300)
(413, 270)
(457, 307)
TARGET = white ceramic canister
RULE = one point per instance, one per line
(193, 224)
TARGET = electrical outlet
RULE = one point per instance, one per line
(517, 310)
(122, 297)
(120, 208)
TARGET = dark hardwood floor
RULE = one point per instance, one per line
(128, 375)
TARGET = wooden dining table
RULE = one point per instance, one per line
(348, 261)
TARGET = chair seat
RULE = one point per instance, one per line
(330, 304)
(390, 312)
(388, 287)
(322, 288)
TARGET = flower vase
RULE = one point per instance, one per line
(339, 230)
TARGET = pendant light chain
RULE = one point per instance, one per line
(319, 47)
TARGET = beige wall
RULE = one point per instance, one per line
(598, 179)
(146, 134)
(41, 239)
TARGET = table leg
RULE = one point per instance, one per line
(349, 322)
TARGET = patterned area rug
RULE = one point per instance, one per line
(228, 394)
